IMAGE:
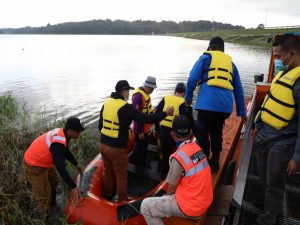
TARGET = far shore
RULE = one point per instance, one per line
(258, 37)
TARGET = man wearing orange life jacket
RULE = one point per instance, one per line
(190, 191)
(141, 101)
(49, 150)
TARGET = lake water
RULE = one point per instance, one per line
(67, 75)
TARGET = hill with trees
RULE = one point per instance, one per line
(123, 27)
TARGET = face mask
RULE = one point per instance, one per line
(279, 66)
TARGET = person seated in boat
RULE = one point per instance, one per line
(45, 152)
(141, 101)
(163, 129)
(190, 191)
(219, 81)
(277, 129)
(116, 115)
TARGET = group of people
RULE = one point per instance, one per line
(186, 164)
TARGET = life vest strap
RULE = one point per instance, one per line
(274, 115)
(214, 77)
(109, 121)
(108, 128)
(221, 69)
(284, 84)
(279, 101)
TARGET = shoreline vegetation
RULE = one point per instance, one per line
(202, 29)
(19, 126)
(258, 37)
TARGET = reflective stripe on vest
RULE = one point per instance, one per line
(278, 108)
(220, 72)
(174, 101)
(146, 106)
(196, 183)
(38, 154)
(110, 119)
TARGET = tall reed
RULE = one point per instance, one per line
(19, 126)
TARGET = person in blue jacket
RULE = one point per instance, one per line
(219, 81)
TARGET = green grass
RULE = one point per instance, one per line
(248, 36)
(19, 126)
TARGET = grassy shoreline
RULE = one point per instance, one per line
(256, 37)
(19, 126)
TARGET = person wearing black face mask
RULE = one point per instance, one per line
(277, 142)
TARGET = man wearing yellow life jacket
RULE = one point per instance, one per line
(189, 192)
(116, 115)
(163, 129)
(219, 82)
(49, 150)
(277, 140)
(141, 101)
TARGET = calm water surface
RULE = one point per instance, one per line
(67, 75)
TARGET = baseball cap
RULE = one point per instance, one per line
(181, 125)
(73, 123)
(150, 82)
(123, 85)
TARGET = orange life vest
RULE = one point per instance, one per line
(194, 193)
(38, 153)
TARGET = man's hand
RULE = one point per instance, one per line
(188, 103)
(293, 167)
(170, 110)
(79, 169)
(76, 195)
(141, 136)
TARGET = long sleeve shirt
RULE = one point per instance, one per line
(213, 98)
(60, 154)
(126, 115)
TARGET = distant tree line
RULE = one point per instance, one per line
(123, 27)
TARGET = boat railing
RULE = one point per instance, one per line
(239, 184)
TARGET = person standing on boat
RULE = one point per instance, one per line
(277, 140)
(219, 82)
(163, 129)
(190, 191)
(141, 101)
(45, 152)
(116, 115)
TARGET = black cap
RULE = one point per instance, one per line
(180, 87)
(123, 85)
(73, 123)
(181, 125)
(216, 43)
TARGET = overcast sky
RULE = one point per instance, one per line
(248, 13)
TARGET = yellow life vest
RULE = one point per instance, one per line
(110, 117)
(146, 106)
(174, 101)
(278, 107)
(220, 70)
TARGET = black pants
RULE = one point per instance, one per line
(209, 131)
(139, 154)
(168, 146)
(272, 161)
